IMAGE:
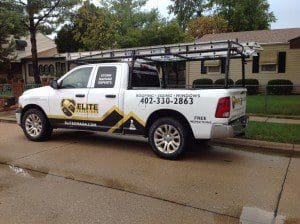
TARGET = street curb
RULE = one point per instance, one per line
(250, 145)
(259, 146)
(8, 120)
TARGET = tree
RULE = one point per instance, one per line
(65, 40)
(38, 15)
(10, 28)
(244, 15)
(207, 24)
(186, 10)
(94, 27)
(141, 28)
(157, 33)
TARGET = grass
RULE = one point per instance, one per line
(276, 105)
(6, 94)
(285, 133)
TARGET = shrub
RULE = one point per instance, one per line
(198, 83)
(221, 82)
(280, 87)
(3, 81)
(252, 85)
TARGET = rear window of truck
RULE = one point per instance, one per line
(145, 78)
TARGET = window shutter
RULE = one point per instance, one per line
(203, 68)
(223, 65)
(281, 62)
(255, 64)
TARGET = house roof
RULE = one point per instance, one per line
(260, 36)
(46, 54)
(44, 44)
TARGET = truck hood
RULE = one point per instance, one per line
(37, 91)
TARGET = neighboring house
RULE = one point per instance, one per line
(279, 60)
(49, 62)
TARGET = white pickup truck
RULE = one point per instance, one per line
(96, 97)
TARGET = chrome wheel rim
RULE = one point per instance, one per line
(33, 125)
(167, 139)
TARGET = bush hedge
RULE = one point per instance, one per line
(252, 85)
(198, 83)
(280, 87)
(221, 82)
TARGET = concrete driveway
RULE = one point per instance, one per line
(80, 177)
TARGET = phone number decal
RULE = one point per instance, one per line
(148, 99)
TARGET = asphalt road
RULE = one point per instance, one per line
(80, 177)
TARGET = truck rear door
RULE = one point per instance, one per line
(238, 103)
(105, 96)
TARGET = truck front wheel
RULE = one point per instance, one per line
(35, 125)
(168, 138)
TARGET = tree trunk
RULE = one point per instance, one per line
(34, 57)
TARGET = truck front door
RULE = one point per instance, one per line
(68, 104)
(105, 95)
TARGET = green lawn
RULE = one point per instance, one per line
(6, 94)
(286, 133)
(276, 105)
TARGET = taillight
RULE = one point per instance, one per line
(223, 108)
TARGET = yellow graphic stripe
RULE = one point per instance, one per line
(80, 118)
(125, 119)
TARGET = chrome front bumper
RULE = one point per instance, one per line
(233, 128)
(18, 116)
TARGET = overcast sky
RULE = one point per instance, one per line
(287, 12)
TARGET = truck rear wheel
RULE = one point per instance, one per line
(168, 138)
(35, 125)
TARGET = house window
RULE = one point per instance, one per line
(255, 64)
(268, 68)
(213, 69)
(46, 69)
(268, 61)
(203, 68)
(223, 65)
(30, 69)
(63, 68)
(213, 66)
(41, 69)
(51, 70)
(281, 62)
(57, 67)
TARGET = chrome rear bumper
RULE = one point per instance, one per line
(233, 128)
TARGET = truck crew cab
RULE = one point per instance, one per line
(128, 99)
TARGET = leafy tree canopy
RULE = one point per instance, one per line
(65, 40)
(186, 10)
(94, 27)
(206, 25)
(119, 24)
(244, 15)
(10, 28)
(39, 15)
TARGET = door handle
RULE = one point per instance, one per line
(80, 95)
(110, 96)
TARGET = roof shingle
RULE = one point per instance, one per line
(260, 36)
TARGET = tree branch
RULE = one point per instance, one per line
(47, 14)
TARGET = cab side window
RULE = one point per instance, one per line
(77, 79)
(106, 77)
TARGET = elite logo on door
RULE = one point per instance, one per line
(70, 107)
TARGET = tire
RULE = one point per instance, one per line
(169, 146)
(35, 125)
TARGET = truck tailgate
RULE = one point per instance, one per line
(238, 103)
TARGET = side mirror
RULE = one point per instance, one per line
(54, 84)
